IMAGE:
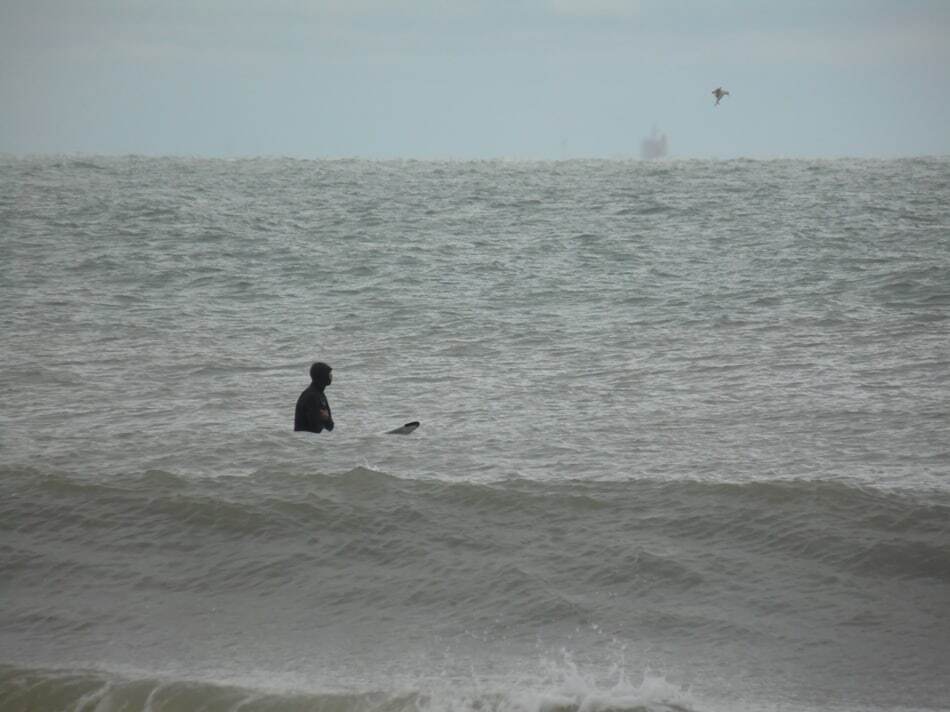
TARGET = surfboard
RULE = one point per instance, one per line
(404, 429)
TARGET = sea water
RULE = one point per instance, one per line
(684, 442)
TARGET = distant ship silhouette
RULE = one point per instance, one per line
(653, 146)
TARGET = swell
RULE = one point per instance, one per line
(373, 517)
(390, 558)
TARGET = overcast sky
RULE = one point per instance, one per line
(474, 78)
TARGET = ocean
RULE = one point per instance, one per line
(683, 445)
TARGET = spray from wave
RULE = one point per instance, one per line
(564, 687)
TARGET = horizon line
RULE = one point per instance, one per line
(460, 159)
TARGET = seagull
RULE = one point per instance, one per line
(719, 93)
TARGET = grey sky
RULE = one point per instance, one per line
(459, 78)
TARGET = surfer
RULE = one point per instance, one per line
(719, 93)
(312, 413)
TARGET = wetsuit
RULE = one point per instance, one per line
(307, 413)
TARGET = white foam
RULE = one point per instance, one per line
(564, 686)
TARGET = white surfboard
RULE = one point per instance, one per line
(404, 429)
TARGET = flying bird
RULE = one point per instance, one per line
(719, 93)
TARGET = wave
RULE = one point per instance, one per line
(328, 567)
(32, 689)
(638, 535)
(855, 529)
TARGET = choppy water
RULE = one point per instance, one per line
(684, 436)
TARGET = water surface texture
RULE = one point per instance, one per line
(684, 439)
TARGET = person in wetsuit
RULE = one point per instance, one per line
(313, 412)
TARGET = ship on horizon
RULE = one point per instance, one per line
(654, 146)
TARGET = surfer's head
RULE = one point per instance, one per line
(320, 374)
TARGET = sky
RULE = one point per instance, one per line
(463, 79)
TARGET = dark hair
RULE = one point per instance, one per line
(320, 372)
